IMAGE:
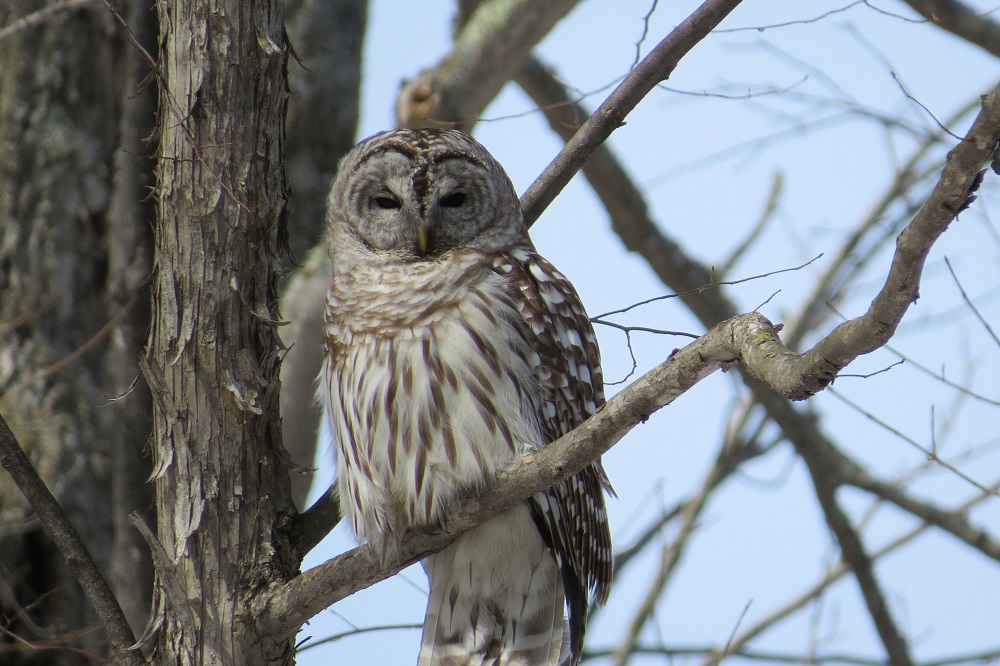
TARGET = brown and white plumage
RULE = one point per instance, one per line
(453, 348)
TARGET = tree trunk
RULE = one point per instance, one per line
(221, 483)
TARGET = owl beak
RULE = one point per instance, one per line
(423, 241)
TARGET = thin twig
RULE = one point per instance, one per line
(820, 17)
(777, 185)
(931, 455)
(41, 15)
(924, 107)
(333, 638)
(965, 297)
(709, 285)
(77, 353)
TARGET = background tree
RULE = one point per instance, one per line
(77, 257)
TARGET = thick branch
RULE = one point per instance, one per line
(961, 20)
(654, 68)
(812, 371)
(313, 524)
(68, 541)
(488, 50)
(830, 469)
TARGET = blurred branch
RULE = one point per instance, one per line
(962, 21)
(777, 184)
(668, 653)
(929, 453)
(626, 555)
(952, 521)
(853, 551)
(727, 462)
(68, 541)
(488, 49)
(39, 16)
(838, 571)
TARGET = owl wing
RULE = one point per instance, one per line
(570, 515)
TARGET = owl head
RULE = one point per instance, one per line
(416, 195)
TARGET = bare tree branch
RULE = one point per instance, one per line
(713, 653)
(653, 69)
(625, 203)
(954, 521)
(853, 551)
(68, 541)
(294, 603)
(814, 369)
(728, 460)
(316, 522)
(39, 16)
(631, 220)
(488, 49)
(838, 571)
(961, 20)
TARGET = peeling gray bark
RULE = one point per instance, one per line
(221, 482)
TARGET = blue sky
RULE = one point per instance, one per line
(707, 164)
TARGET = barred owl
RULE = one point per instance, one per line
(452, 349)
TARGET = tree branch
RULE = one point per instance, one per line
(653, 69)
(728, 460)
(853, 551)
(866, 333)
(954, 522)
(836, 572)
(316, 522)
(68, 541)
(962, 21)
(488, 49)
(625, 203)
(630, 219)
(294, 603)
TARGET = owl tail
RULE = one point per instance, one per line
(496, 599)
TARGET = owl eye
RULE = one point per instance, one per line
(453, 200)
(386, 202)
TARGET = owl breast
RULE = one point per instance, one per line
(428, 395)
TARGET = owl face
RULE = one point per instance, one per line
(414, 195)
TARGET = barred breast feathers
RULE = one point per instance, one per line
(416, 380)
